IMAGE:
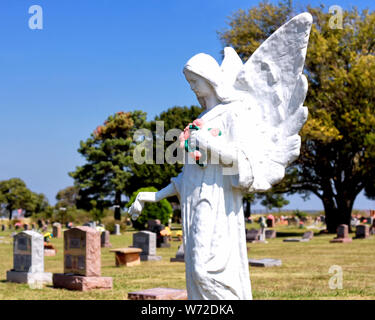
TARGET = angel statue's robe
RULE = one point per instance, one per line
(213, 219)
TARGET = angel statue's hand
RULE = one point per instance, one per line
(137, 207)
(147, 197)
(200, 138)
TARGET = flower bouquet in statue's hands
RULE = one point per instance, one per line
(188, 140)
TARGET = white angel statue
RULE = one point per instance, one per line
(258, 109)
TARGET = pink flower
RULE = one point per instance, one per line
(198, 122)
(182, 137)
(182, 140)
(186, 133)
(215, 132)
(195, 155)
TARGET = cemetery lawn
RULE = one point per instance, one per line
(304, 273)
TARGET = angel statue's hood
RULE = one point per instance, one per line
(221, 78)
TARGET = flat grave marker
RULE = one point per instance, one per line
(158, 294)
(266, 262)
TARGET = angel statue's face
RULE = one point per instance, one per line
(199, 85)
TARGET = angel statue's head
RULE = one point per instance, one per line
(213, 84)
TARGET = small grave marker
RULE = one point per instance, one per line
(342, 234)
(362, 231)
(180, 255)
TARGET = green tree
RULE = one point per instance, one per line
(161, 210)
(338, 140)
(108, 153)
(68, 197)
(156, 174)
(273, 200)
(14, 194)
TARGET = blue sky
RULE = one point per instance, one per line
(94, 58)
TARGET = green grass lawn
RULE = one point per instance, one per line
(303, 274)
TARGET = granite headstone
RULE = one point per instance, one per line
(146, 240)
(28, 259)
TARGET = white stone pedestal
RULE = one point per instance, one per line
(29, 277)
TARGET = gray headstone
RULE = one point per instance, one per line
(270, 234)
(91, 224)
(342, 231)
(362, 231)
(104, 239)
(308, 235)
(117, 230)
(56, 230)
(145, 240)
(152, 223)
(180, 255)
(252, 234)
(264, 262)
(28, 252)
(180, 252)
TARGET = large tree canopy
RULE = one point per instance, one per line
(14, 195)
(338, 140)
(68, 197)
(108, 153)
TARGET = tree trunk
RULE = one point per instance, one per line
(118, 205)
(10, 213)
(337, 214)
(247, 206)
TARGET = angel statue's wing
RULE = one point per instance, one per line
(272, 112)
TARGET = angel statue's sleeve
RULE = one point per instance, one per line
(177, 182)
(273, 90)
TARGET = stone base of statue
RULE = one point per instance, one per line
(81, 283)
(29, 277)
